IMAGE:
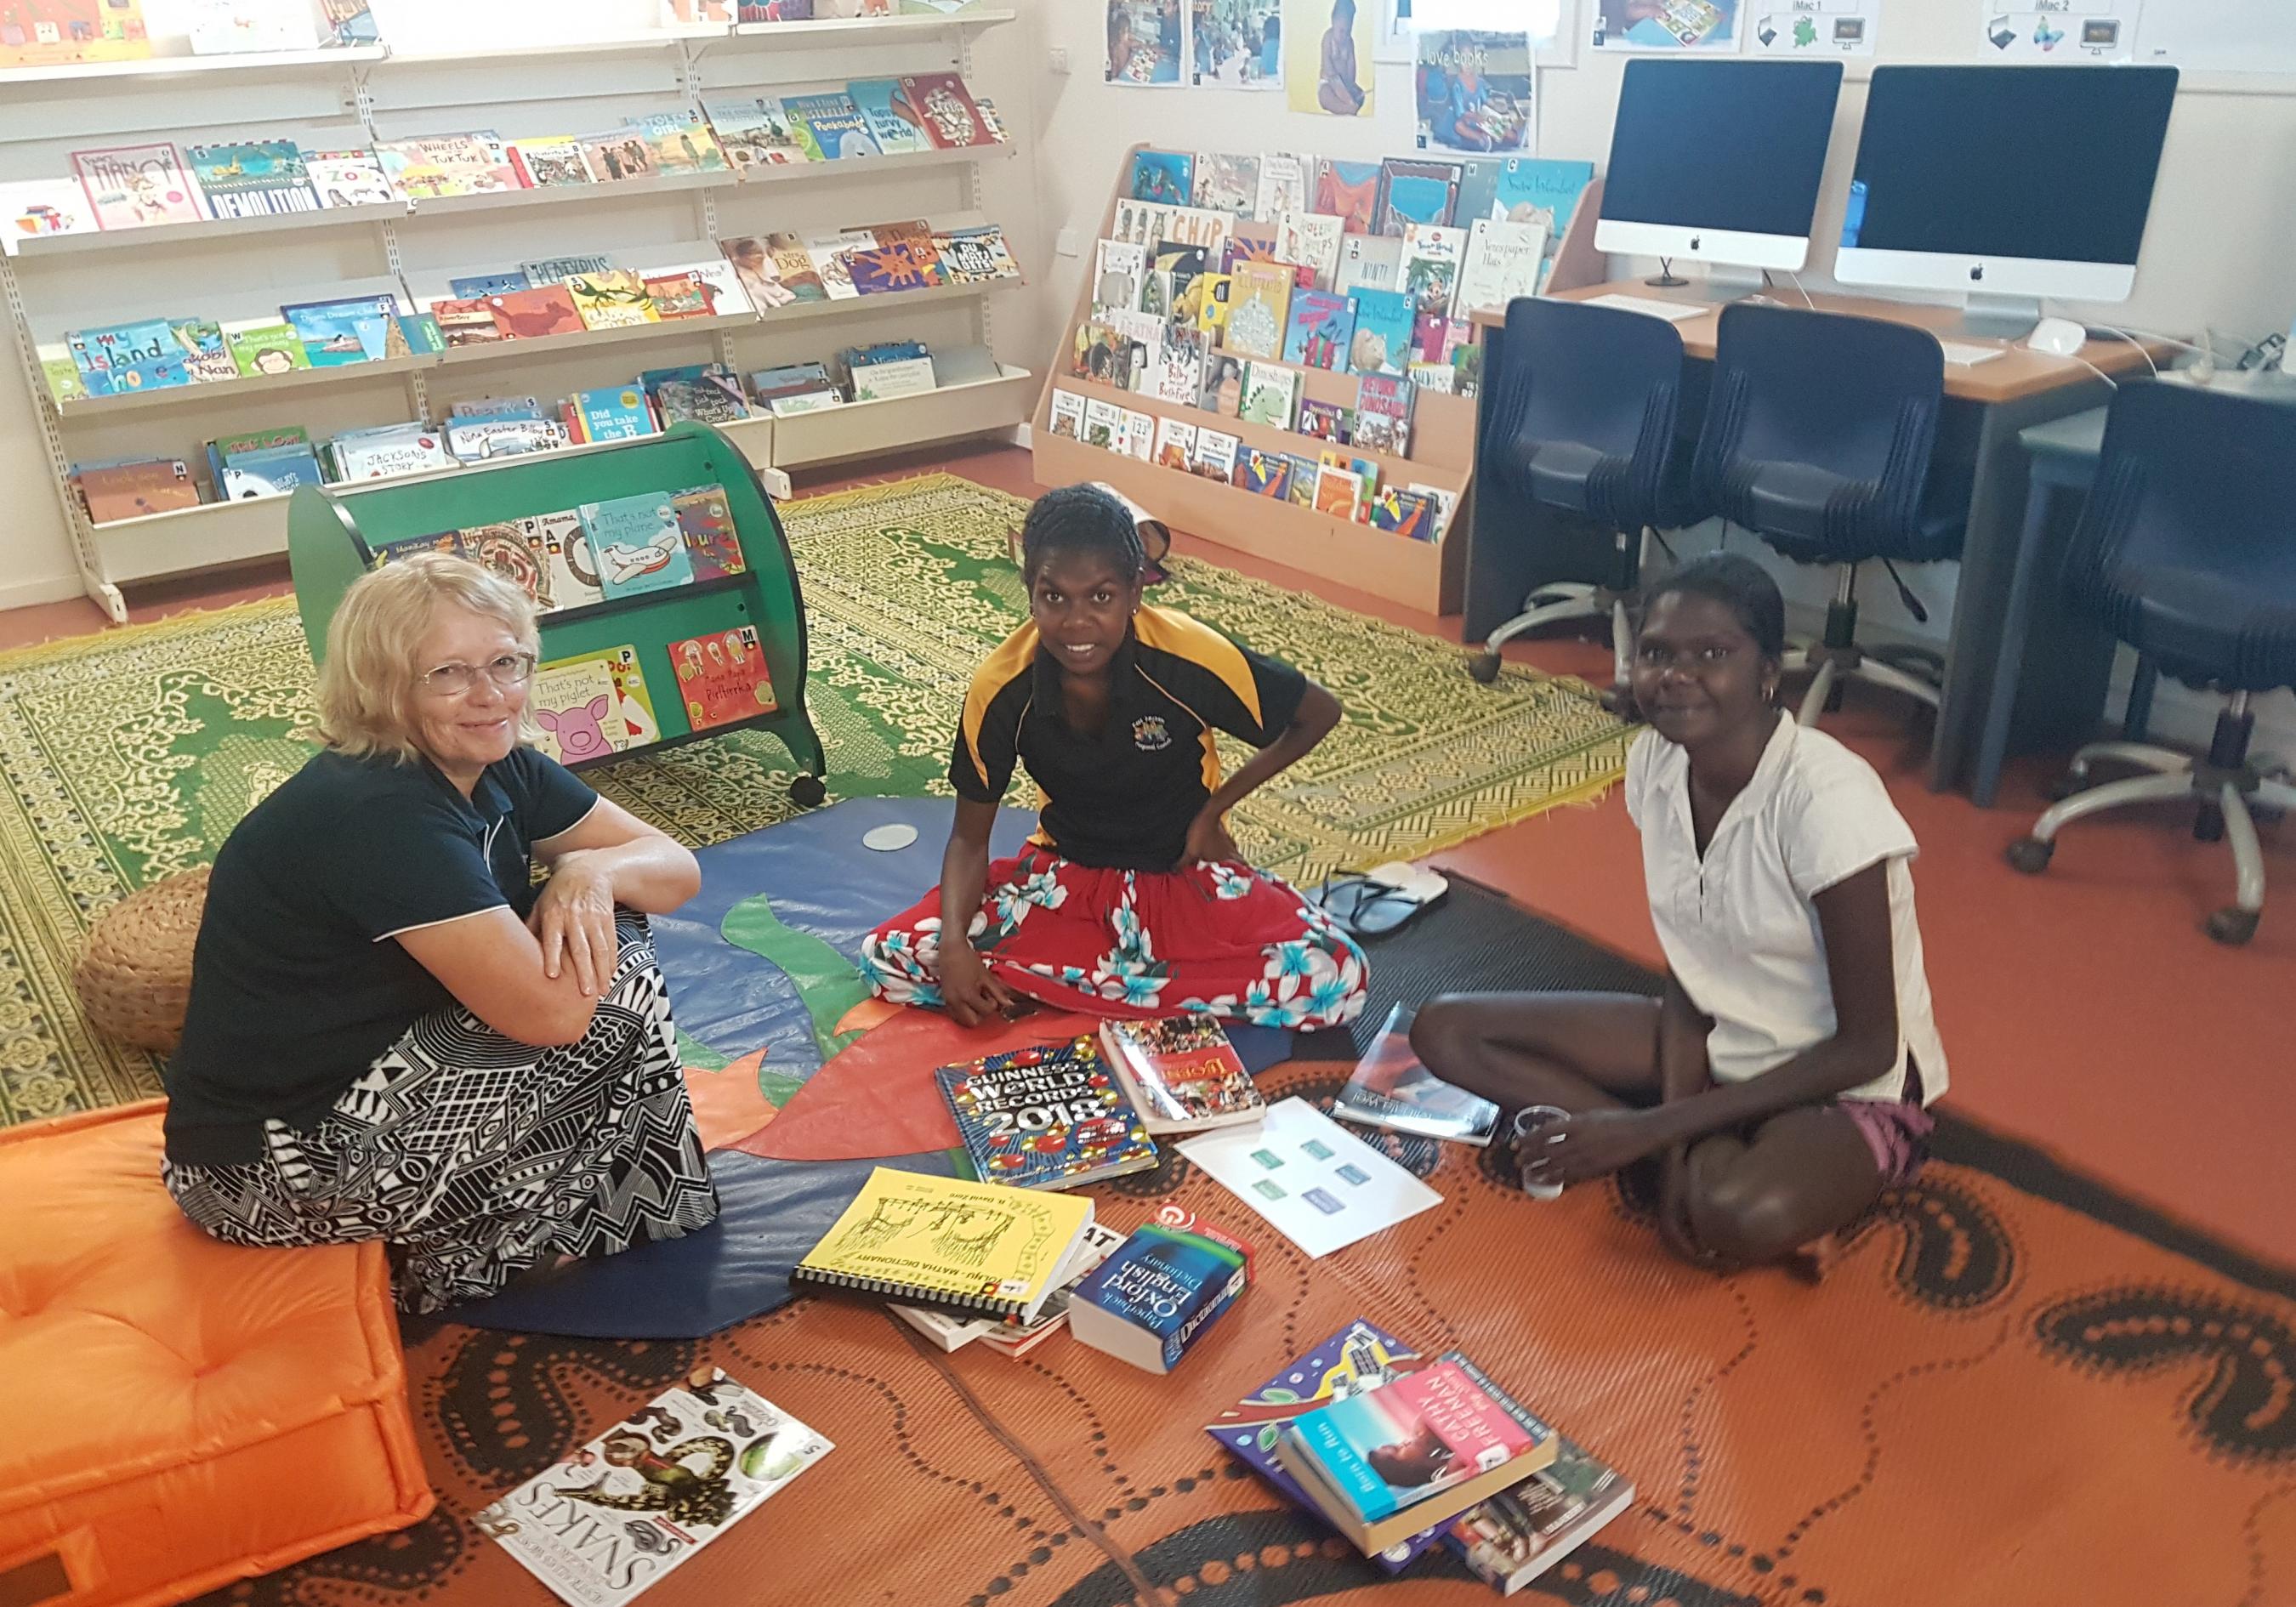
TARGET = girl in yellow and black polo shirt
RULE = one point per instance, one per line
(1130, 899)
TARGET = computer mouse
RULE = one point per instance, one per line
(2058, 336)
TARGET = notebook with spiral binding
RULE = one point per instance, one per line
(981, 1249)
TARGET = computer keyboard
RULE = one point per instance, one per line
(1963, 353)
(1673, 311)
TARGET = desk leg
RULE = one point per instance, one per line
(2001, 697)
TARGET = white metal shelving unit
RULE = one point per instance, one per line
(358, 95)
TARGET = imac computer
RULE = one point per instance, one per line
(1718, 162)
(2011, 184)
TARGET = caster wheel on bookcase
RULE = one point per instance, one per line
(1484, 667)
(807, 793)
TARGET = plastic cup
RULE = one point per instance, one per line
(1529, 1122)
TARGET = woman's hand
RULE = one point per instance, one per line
(1592, 1145)
(1209, 840)
(574, 921)
(969, 992)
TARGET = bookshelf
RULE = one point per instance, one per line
(334, 99)
(333, 530)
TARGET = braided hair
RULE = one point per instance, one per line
(1738, 583)
(1082, 518)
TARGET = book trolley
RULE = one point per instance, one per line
(333, 531)
(1427, 575)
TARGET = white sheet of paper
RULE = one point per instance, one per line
(1320, 1186)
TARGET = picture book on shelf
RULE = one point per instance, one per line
(678, 143)
(1382, 415)
(557, 270)
(264, 178)
(1339, 491)
(528, 314)
(1226, 184)
(1382, 343)
(1299, 487)
(1309, 240)
(1326, 422)
(1183, 1074)
(1102, 419)
(1175, 441)
(1411, 514)
(890, 266)
(711, 542)
(1048, 1116)
(1543, 190)
(274, 472)
(678, 296)
(1271, 394)
(637, 544)
(356, 329)
(501, 550)
(755, 131)
(1215, 457)
(389, 451)
(1322, 326)
(614, 413)
(238, 27)
(1120, 271)
(347, 178)
(975, 255)
(1157, 1295)
(565, 548)
(636, 1501)
(633, 698)
(1259, 310)
(1502, 264)
(1348, 192)
(1414, 190)
(264, 346)
(131, 491)
(449, 542)
(829, 128)
(883, 108)
(30, 208)
(53, 33)
(1266, 474)
(1519, 1534)
(1165, 177)
(1068, 414)
(978, 1249)
(1359, 1358)
(615, 298)
(951, 118)
(1223, 388)
(1179, 371)
(1428, 271)
(722, 677)
(551, 159)
(138, 186)
(436, 166)
(1368, 262)
(1282, 185)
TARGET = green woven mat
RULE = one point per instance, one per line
(128, 756)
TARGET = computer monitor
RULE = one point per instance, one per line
(1718, 161)
(2022, 182)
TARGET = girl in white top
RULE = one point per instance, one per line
(1782, 1077)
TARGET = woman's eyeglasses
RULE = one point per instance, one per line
(452, 680)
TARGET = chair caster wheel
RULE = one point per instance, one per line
(807, 793)
(2065, 786)
(2031, 855)
(1484, 667)
(2231, 927)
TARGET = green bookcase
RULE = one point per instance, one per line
(330, 531)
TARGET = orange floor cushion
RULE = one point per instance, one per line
(179, 1414)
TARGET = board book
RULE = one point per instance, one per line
(1183, 1075)
(637, 544)
(980, 1249)
(722, 677)
(1046, 1116)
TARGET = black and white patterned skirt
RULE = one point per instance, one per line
(475, 1157)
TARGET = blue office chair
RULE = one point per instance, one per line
(1581, 416)
(1817, 439)
(2187, 552)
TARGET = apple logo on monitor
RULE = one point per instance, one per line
(1977, 270)
(1695, 242)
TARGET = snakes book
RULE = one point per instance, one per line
(1048, 1116)
(634, 1503)
(978, 1249)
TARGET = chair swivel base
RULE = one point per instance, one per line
(1837, 665)
(2172, 776)
(1563, 601)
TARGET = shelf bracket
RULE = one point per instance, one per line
(94, 580)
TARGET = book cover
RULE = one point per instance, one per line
(1428, 271)
(1152, 1301)
(975, 255)
(890, 266)
(702, 391)
(832, 256)
(1166, 177)
(1225, 183)
(1120, 273)
(1406, 1442)
(678, 143)
(722, 677)
(1259, 311)
(951, 118)
(638, 1500)
(138, 186)
(239, 27)
(1223, 387)
(1339, 492)
(553, 159)
(1266, 474)
(273, 472)
(558, 270)
(884, 381)
(1271, 394)
(633, 698)
(754, 131)
(134, 490)
(637, 544)
(678, 296)
(1326, 422)
(263, 178)
(1382, 421)
(615, 155)
(478, 287)
(1102, 421)
(1175, 441)
(1179, 370)
(30, 208)
(1048, 1116)
(264, 346)
(711, 542)
(1138, 437)
(1282, 185)
(887, 112)
(1411, 514)
(528, 314)
(1212, 293)
(53, 33)
(829, 127)
(1383, 338)
(565, 546)
(1322, 326)
(1543, 190)
(1183, 1075)
(615, 413)
(1173, 269)
(348, 178)
(1368, 262)
(1519, 1534)
(1389, 1088)
(1299, 488)
(1502, 264)
(616, 298)
(485, 439)
(720, 282)
(1348, 192)
(1215, 457)
(501, 549)
(1359, 1358)
(465, 323)
(357, 329)
(977, 1248)
(390, 451)
(1414, 190)
(1310, 240)
(1068, 414)
(951, 1333)
(435, 166)
(449, 542)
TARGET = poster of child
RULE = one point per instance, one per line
(1474, 91)
(1144, 42)
(1235, 44)
(1327, 56)
(1666, 25)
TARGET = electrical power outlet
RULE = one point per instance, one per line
(1059, 62)
(1066, 243)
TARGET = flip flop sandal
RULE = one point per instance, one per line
(1364, 908)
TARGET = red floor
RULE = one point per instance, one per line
(2084, 1010)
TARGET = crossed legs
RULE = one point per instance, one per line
(1747, 1197)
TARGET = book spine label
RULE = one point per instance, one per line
(1363, 1489)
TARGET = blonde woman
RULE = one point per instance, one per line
(392, 1033)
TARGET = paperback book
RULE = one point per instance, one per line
(1326, 422)
(1502, 264)
(1164, 178)
(975, 255)
(1183, 1074)
(1271, 394)
(529, 314)
(829, 128)
(138, 186)
(754, 131)
(1382, 415)
(950, 116)
(1152, 1301)
(615, 298)
(358, 329)
(1414, 190)
(550, 161)
(1389, 1088)
(885, 111)
(1348, 192)
(1519, 1534)
(1048, 1116)
(1312, 241)
(501, 550)
(637, 1501)
(565, 548)
(1430, 267)
(1266, 474)
(1175, 440)
(1368, 262)
(347, 178)
(266, 178)
(722, 677)
(1383, 338)
(1068, 414)
(1215, 457)
(1411, 514)
(1282, 185)
(1226, 184)
(1259, 310)
(264, 346)
(1322, 326)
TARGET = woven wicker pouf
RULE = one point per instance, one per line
(134, 976)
